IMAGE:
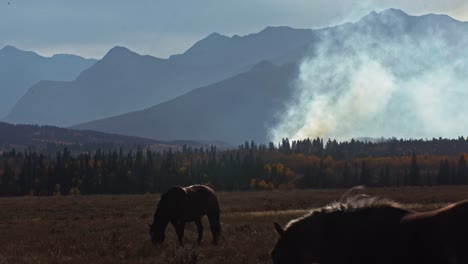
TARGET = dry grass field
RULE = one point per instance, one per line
(113, 229)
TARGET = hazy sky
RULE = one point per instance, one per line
(164, 27)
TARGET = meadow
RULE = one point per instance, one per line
(113, 229)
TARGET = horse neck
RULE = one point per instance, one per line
(160, 218)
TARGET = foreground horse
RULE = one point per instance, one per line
(186, 204)
(375, 231)
(439, 236)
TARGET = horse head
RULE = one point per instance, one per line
(157, 231)
(169, 202)
(289, 249)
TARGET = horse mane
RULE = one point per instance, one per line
(349, 203)
(347, 194)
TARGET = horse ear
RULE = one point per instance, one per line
(278, 228)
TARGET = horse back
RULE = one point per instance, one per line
(455, 218)
(356, 236)
(202, 200)
(440, 234)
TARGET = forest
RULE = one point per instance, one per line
(309, 163)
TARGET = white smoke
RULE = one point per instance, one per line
(371, 85)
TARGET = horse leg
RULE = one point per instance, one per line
(215, 227)
(199, 229)
(179, 227)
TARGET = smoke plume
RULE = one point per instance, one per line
(388, 75)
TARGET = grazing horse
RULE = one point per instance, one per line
(186, 204)
(369, 230)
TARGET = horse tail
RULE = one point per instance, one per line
(214, 219)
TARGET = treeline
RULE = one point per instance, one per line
(375, 148)
(296, 164)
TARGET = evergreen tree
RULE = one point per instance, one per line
(347, 181)
(462, 174)
(414, 171)
(365, 174)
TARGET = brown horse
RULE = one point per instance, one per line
(357, 231)
(368, 230)
(186, 204)
(439, 236)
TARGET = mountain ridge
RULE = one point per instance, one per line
(135, 81)
(207, 112)
(12, 48)
(19, 70)
(229, 122)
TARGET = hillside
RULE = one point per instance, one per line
(49, 139)
(237, 109)
(19, 70)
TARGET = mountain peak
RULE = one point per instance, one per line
(212, 40)
(387, 13)
(393, 12)
(387, 16)
(12, 49)
(215, 35)
(270, 29)
(9, 48)
(119, 51)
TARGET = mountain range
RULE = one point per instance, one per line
(19, 70)
(124, 81)
(246, 106)
(241, 107)
(222, 88)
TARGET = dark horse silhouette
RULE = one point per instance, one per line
(186, 204)
(370, 230)
(439, 236)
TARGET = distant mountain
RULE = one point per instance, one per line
(49, 139)
(19, 70)
(124, 81)
(245, 106)
(394, 24)
(269, 44)
(236, 109)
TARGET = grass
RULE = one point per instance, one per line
(113, 229)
